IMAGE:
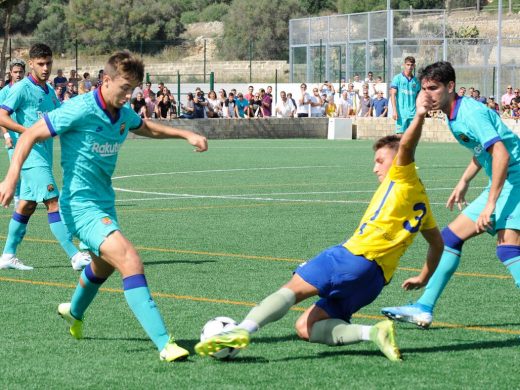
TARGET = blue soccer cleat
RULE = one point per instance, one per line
(415, 313)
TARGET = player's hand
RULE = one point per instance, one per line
(9, 143)
(423, 104)
(200, 142)
(484, 219)
(6, 193)
(414, 283)
(458, 196)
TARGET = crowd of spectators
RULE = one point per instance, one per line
(362, 98)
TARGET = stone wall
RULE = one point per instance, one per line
(434, 130)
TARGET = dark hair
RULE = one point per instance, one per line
(441, 71)
(409, 59)
(390, 141)
(123, 63)
(86, 74)
(40, 50)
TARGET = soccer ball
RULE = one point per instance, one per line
(215, 326)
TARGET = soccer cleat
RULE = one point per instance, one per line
(172, 352)
(383, 335)
(415, 313)
(236, 338)
(13, 263)
(80, 260)
(76, 326)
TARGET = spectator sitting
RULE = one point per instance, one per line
(67, 96)
(60, 80)
(477, 97)
(147, 89)
(214, 107)
(324, 100)
(493, 105)
(515, 110)
(380, 104)
(100, 78)
(508, 96)
(241, 106)
(222, 96)
(330, 107)
(285, 107)
(516, 99)
(73, 78)
(188, 109)
(462, 91)
(60, 92)
(151, 102)
(164, 109)
(255, 104)
(138, 89)
(70, 90)
(82, 88)
(138, 104)
(160, 88)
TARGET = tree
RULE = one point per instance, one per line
(8, 7)
(268, 30)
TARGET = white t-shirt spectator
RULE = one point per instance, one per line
(304, 108)
(284, 109)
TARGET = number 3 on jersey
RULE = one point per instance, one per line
(414, 229)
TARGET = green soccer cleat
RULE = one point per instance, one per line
(383, 335)
(76, 326)
(236, 338)
(172, 352)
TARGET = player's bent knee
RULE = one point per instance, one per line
(301, 328)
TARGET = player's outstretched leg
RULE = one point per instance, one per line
(15, 234)
(336, 332)
(509, 255)
(421, 312)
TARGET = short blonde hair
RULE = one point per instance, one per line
(123, 63)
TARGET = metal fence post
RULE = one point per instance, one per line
(178, 92)
(211, 81)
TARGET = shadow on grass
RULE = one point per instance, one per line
(149, 263)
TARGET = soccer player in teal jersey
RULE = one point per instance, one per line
(403, 93)
(28, 100)
(16, 73)
(92, 128)
(497, 210)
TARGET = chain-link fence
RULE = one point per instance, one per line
(342, 46)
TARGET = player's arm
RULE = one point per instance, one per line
(499, 167)
(153, 129)
(436, 247)
(7, 122)
(38, 132)
(7, 138)
(410, 139)
(459, 192)
(393, 94)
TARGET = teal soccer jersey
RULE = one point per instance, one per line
(3, 95)
(90, 141)
(29, 101)
(407, 91)
(476, 127)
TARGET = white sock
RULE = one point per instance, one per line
(248, 325)
(6, 257)
(365, 332)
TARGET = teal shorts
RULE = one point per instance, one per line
(37, 184)
(91, 225)
(507, 210)
(403, 122)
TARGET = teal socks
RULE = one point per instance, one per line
(61, 233)
(16, 232)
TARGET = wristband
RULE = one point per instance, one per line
(7, 135)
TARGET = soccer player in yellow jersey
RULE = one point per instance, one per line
(350, 276)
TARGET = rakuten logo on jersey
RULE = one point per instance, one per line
(106, 149)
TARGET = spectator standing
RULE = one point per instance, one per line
(358, 85)
(330, 107)
(304, 102)
(353, 98)
(241, 106)
(147, 89)
(255, 105)
(100, 78)
(508, 96)
(365, 109)
(403, 92)
(228, 109)
(70, 89)
(344, 105)
(160, 88)
(151, 102)
(316, 103)
(369, 78)
(200, 104)
(73, 78)
(516, 99)
(493, 105)
(462, 91)
(478, 98)
(267, 101)
(290, 97)
(86, 81)
(163, 109)
(138, 89)
(269, 92)
(250, 93)
(380, 105)
(59, 80)
(285, 107)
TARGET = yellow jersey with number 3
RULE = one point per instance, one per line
(397, 212)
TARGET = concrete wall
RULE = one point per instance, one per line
(434, 130)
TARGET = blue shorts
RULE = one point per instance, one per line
(37, 184)
(91, 225)
(507, 210)
(345, 282)
(403, 122)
